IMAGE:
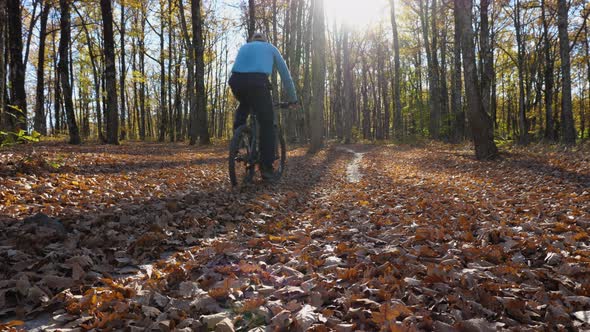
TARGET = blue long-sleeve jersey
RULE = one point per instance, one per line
(260, 57)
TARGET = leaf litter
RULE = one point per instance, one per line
(427, 239)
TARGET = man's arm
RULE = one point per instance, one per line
(285, 75)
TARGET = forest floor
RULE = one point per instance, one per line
(359, 237)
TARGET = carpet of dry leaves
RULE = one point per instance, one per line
(150, 237)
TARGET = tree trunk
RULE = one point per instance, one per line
(17, 109)
(123, 134)
(40, 123)
(419, 88)
(376, 116)
(348, 87)
(568, 131)
(142, 92)
(587, 49)
(163, 124)
(295, 68)
(290, 119)
(319, 76)
(177, 101)
(486, 55)
(135, 122)
(549, 65)
(192, 97)
(275, 41)
(481, 124)
(32, 24)
(443, 86)
(96, 78)
(338, 108)
(456, 95)
(432, 62)
(3, 86)
(397, 121)
(308, 75)
(201, 107)
(523, 126)
(57, 88)
(251, 18)
(381, 51)
(171, 59)
(110, 73)
(366, 109)
(435, 89)
(63, 69)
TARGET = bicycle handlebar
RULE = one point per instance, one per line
(284, 104)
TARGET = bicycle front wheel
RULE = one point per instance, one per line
(241, 165)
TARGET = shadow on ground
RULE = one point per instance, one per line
(40, 262)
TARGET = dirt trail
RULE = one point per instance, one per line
(353, 173)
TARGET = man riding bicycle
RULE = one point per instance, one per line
(250, 85)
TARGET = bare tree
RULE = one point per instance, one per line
(587, 53)
(123, 133)
(199, 124)
(40, 123)
(17, 109)
(64, 71)
(487, 55)
(481, 123)
(549, 81)
(430, 45)
(383, 86)
(192, 97)
(110, 72)
(348, 86)
(397, 120)
(251, 18)
(318, 50)
(456, 95)
(568, 131)
(523, 125)
(95, 76)
(3, 42)
(142, 86)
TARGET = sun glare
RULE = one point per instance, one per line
(359, 14)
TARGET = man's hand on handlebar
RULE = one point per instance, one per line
(288, 105)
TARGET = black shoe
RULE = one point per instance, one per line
(268, 174)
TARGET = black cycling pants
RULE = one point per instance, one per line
(252, 90)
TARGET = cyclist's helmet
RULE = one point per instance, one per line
(258, 36)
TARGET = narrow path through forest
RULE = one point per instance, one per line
(355, 237)
(352, 171)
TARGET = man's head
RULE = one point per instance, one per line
(258, 36)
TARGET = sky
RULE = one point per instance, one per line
(358, 14)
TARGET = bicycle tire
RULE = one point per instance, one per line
(240, 169)
(281, 161)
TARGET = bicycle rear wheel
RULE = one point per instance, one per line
(241, 166)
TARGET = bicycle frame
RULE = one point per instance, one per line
(254, 147)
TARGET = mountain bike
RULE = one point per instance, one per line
(244, 150)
